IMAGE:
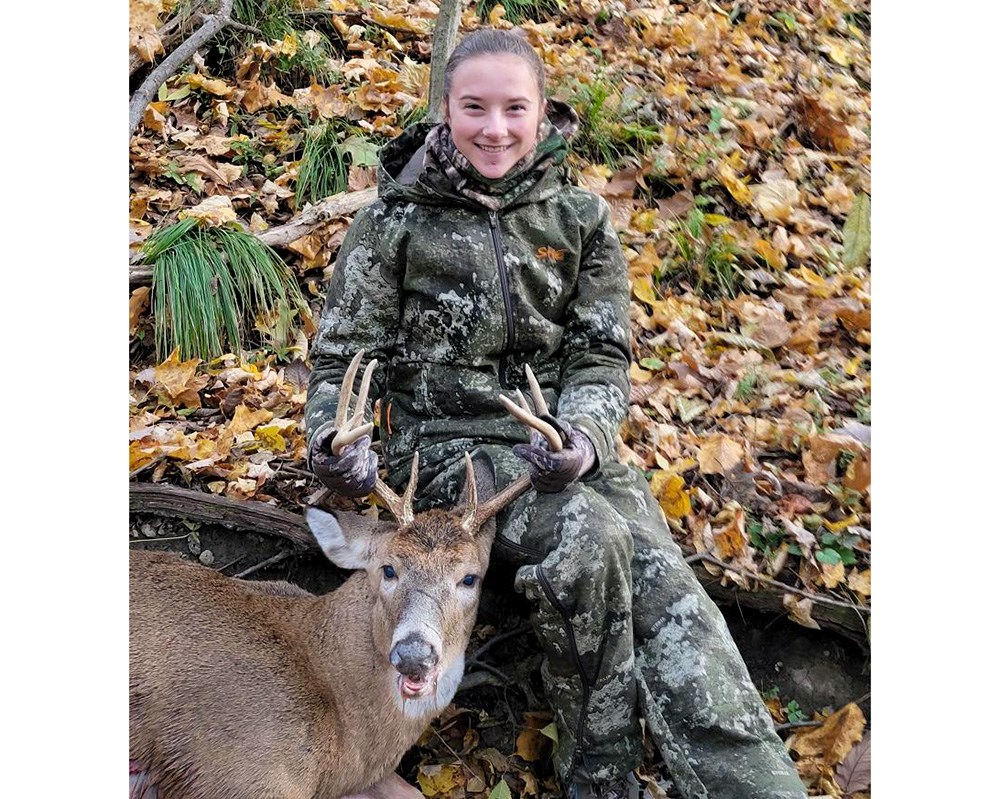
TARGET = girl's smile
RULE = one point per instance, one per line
(494, 110)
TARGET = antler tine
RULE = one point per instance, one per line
(411, 489)
(541, 409)
(400, 507)
(350, 430)
(525, 417)
(366, 381)
(471, 497)
(346, 389)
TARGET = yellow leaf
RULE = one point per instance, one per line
(219, 88)
(766, 250)
(843, 524)
(439, 780)
(641, 268)
(497, 13)
(669, 491)
(719, 454)
(270, 437)
(642, 289)
(138, 456)
(645, 221)
(244, 419)
(180, 380)
(736, 187)
(289, 45)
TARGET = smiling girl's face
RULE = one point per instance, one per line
(494, 110)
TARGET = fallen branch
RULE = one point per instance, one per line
(184, 503)
(845, 618)
(817, 598)
(337, 205)
(213, 23)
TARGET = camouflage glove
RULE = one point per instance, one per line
(552, 471)
(352, 473)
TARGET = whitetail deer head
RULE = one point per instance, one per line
(424, 570)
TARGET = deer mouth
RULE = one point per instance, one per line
(415, 687)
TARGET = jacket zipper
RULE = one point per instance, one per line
(543, 581)
(504, 285)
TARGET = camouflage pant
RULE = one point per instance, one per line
(627, 629)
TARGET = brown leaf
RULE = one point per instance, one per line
(855, 773)
(834, 738)
(532, 745)
(719, 454)
(677, 206)
(800, 610)
(137, 304)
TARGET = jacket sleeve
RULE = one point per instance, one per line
(361, 312)
(596, 345)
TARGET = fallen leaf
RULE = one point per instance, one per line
(800, 610)
(213, 211)
(245, 419)
(137, 304)
(775, 199)
(532, 745)
(719, 454)
(858, 232)
(834, 738)
(669, 490)
(855, 773)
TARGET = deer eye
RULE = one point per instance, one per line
(470, 580)
(389, 573)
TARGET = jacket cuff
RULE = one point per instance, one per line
(316, 435)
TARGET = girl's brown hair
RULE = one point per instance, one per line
(489, 41)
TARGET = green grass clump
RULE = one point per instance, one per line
(210, 284)
(324, 167)
(519, 10)
(610, 132)
(705, 256)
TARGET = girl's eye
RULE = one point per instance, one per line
(389, 573)
(470, 580)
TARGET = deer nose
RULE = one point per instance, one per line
(413, 656)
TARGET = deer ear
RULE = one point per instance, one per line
(347, 539)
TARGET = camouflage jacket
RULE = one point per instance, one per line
(454, 298)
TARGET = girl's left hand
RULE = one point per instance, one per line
(552, 471)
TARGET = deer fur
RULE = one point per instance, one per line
(244, 691)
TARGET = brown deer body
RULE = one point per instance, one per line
(265, 691)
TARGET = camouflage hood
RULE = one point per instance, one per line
(423, 166)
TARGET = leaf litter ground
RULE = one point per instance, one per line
(745, 219)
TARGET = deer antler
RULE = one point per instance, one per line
(477, 515)
(350, 430)
(400, 507)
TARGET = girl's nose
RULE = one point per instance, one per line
(496, 126)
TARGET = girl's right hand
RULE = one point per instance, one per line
(350, 474)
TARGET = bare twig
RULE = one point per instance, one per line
(213, 23)
(704, 556)
(496, 639)
(491, 669)
(793, 725)
(285, 554)
(442, 43)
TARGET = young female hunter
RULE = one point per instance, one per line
(480, 256)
